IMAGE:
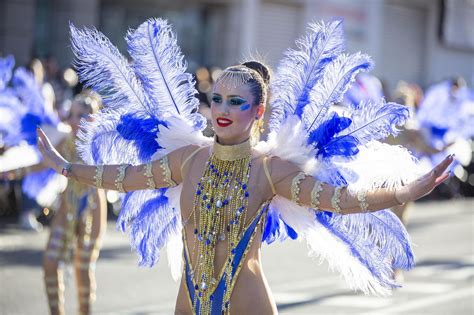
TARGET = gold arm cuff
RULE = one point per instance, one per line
(396, 198)
(150, 181)
(166, 172)
(317, 188)
(295, 187)
(336, 199)
(99, 172)
(364, 206)
(120, 177)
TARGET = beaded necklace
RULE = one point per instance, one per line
(221, 202)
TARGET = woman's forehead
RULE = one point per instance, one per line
(224, 90)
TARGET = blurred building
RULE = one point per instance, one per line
(421, 41)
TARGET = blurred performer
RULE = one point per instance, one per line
(77, 227)
(445, 119)
(366, 87)
(23, 107)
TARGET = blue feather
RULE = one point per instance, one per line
(276, 228)
(324, 140)
(346, 146)
(101, 67)
(106, 139)
(28, 125)
(35, 182)
(11, 113)
(301, 69)
(23, 108)
(151, 221)
(374, 121)
(6, 68)
(378, 240)
(142, 131)
(326, 131)
(337, 77)
(28, 91)
(159, 64)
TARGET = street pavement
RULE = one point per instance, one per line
(442, 282)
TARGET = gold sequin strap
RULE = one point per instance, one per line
(99, 172)
(336, 198)
(165, 167)
(317, 188)
(364, 206)
(120, 177)
(267, 173)
(295, 187)
(150, 181)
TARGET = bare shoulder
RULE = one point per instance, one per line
(280, 169)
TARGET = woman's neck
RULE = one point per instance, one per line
(231, 152)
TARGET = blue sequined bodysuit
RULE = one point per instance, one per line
(241, 250)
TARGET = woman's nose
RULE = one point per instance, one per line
(225, 109)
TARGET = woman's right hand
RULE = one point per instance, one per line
(51, 156)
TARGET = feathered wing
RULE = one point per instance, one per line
(342, 149)
(336, 80)
(300, 69)
(161, 68)
(149, 112)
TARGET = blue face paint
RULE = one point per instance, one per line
(244, 107)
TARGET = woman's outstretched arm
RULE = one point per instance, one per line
(290, 182)
(157, 174)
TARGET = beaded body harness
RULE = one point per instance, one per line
(219, 214)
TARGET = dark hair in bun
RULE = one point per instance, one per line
(260, 68)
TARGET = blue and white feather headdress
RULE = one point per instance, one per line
(149, 112)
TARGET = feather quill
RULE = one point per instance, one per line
(336, 79)
(159, 64)
(301, 69)
(101, 67)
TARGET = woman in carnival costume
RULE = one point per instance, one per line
(77, 227)
(212, 202)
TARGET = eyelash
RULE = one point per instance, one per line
(216, 99)
(237, 102)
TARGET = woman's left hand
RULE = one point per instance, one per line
(51, 156)
(425, 184)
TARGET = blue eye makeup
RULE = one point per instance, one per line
(217, 99)
(245, 107)
(237, 101)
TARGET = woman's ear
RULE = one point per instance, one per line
(260, 111)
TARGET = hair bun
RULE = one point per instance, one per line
(262, 69)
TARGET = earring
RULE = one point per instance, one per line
(256, 117)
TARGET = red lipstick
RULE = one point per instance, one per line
(223, 122)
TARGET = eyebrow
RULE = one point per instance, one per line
(217, 94)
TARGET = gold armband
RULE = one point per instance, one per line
(150, 181)
(364, 206)
(336, 198)
(120, 177)
(317, 188)
(397, 201)
(295, 187)
(166, 172)
(99, 172)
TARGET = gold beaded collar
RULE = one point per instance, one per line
(232, 152)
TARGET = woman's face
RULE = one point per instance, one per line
(78, 112)
(233, 113)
